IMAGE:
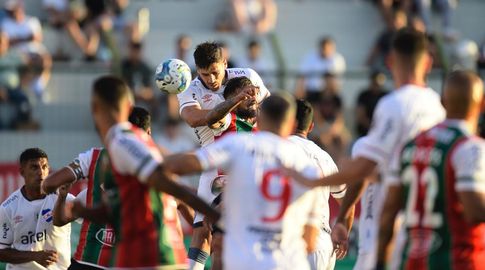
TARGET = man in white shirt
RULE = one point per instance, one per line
(201, 106)
(325, 60)
(399, 116)
(29, 239)
(270, 222)
(324, 257)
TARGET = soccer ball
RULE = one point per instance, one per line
(173, 76)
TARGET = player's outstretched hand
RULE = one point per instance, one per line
(340, 240)
(46, 257)
(298, 177)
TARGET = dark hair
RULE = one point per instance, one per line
(326, 40)
(304, 115)
(234, 85)
(136, 45)
(253, 43)
(140, 118)
(208, 53)
(111, 90)
(278, 106)
(410, 44)
(30, 154)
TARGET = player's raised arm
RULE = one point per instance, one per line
(76, 170)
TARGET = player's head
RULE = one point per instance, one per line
(463, 95)
(409, 54)
(247, 108)
(304, 116)
(211, 64)
(141, 118)
(34, 167)
(277, 114)
(111, 98)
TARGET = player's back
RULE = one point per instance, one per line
(266, 211)
(398, 118)
(434, 167)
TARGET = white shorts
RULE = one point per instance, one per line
(204, 191)
(323, 258)
(365, 261)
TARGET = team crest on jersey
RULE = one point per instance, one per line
(47, 214)
(423, 242)
(18, 219)
(106, 237)
(207, 98)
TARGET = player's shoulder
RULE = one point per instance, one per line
(472, 145)
(11, 201)
(195, 87)
(240, 72)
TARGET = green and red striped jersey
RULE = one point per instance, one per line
(144, 236)
(434, 167)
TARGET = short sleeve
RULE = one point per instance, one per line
(257, 81)
(132, 156)
(188, 97)
(218, 154)
(384, 134)
(6, 236)
(468, 160)
(80, 165)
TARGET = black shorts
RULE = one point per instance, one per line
(79, 266)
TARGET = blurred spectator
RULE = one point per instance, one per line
(173, 140)
(226, 53)
(138, 75)
(367, 101)
(60, 17)
(182, 51)
(315, 65)
(10, 87)
(25, 34)
(444, 8)
(382, 46)
(387, 7)
(329, 131)
(481, 55)
(255, 17)
(254, 60)
(465, 55)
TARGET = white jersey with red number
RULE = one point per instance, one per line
(28, 226)
(398, 118)
(327, 166)
(198, 95)
(265, 212)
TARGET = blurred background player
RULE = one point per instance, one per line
(399, 116)
(201, 106)
(270, 222)
(30, 239)
(137, 166)
(324, 256)
(440, 187)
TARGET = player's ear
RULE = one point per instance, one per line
(312, 125)
(429, 62)
(225, 63)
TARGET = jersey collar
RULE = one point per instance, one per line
(458, 123)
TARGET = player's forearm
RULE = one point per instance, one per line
(98, 215)
(220, 111)
(386, 231)
(14, 256)
(57, 179)
(187, 213)
(181, 164)
(184, 195)
(352, 196)
(354, 172)
(59, 217)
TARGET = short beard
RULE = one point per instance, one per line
(246, 114)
